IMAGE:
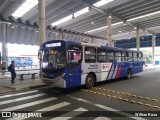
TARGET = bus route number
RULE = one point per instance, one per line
(52, 52)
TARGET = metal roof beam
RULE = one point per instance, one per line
(13, 6)
(4, 4)
(115, 16)
(51, 29)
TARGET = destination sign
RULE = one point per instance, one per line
(53, 44)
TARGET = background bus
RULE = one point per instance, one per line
(68, 64)
(20, 61)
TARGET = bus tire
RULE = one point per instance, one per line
(129, 73)
(90, 81)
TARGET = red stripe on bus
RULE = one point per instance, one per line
(119, 71)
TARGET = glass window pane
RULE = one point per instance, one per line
(90, 54)
(117, 53)
(75, 54)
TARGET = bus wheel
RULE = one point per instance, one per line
(129, 73)
(90, 81)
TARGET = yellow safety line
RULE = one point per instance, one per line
(128, 94)
(122, 99)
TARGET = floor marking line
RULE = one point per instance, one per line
(106, 108)
(11, 95)
(123, 99)
(127, 94)
(22, 98)
(28, 104)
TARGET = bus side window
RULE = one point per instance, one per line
(101, 55)
(90, 54)
(130, 56)
(110, 56)
(118, 56)
(140, 57)
(135, 56)
(123, 59)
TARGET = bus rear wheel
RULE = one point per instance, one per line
(90, 81)
(129, 73)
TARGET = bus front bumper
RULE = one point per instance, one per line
(57, 81)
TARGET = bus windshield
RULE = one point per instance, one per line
(54, 59)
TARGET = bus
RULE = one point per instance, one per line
(20, 60)
(68, 64)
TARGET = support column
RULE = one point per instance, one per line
(42, 26)
(61, 36)
(109, 22)
(137, 39)
(4, 47)
(153, 48)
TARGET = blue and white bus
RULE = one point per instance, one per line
(67, 64)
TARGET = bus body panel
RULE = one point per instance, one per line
(122, 69)
(73, 77)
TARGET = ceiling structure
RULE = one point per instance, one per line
(84, 17)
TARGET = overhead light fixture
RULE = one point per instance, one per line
(110, 16)
(24, 8)
(102, 2)
(80, 12)
(150, 14)
(92, 23)
(62, 20)
(36, 30)
(12, 26)
(69, 17)
(118, 23)
(103, 27)
(120, 31)
(97, 29)
(135, 28)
